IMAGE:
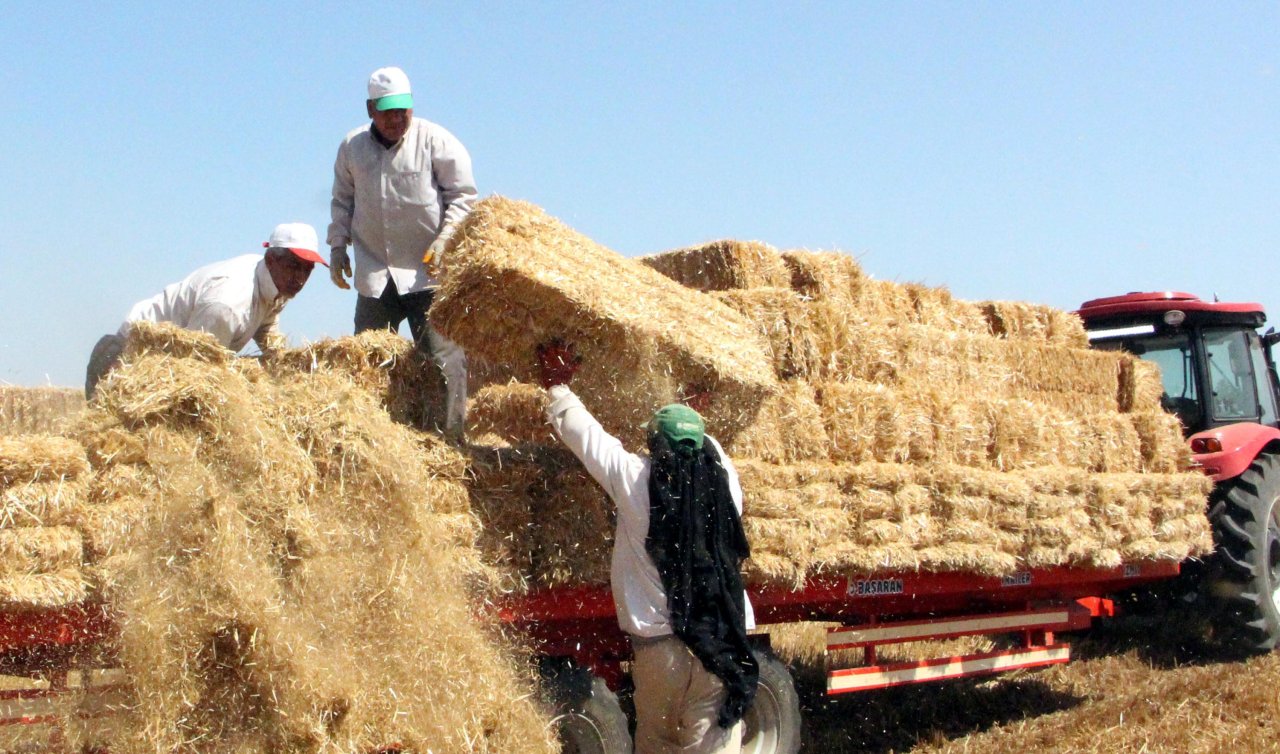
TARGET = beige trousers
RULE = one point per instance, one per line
(677, 701)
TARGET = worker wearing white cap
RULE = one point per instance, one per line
(401, 185)
(235, 300)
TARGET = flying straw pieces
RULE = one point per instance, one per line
(37, 410)
(723, 266)
(518, 278)
(272, 564)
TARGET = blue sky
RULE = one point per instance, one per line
(1046, 151)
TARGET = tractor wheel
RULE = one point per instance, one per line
(588, 719)
(772, 725)
(1246, 573)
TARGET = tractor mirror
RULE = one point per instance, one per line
(1271, 338)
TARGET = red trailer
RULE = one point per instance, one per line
(576, 631)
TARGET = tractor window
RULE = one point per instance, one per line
(1231, 378)
(1266, 394)
(1173, 354)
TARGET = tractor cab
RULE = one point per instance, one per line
(1217, 370)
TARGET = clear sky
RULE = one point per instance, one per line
(1041, 151)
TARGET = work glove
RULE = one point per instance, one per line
(433, 257)
(339, 267)
(558, 362)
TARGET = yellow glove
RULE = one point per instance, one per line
(434, 256)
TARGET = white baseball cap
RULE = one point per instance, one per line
(299, 238)
(389, 89)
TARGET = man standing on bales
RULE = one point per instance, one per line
(234, 301)
(675, 572)
(401, 185)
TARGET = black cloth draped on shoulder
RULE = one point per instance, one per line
(696, 541)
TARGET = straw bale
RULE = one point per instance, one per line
(148, 338)
(824, 275)
(39, 549)
(1089, 378)
(867, 422)
(37, 458)
(406, 382)
(1162, 447)
(782, 317)
(1036, 322)
(43, 503)
(788, 428)
(884, 302)
(105, 440)
(935, 358)
(936, 307)
(1113, 442)
(519, 278)
(502, 483)
(573, 528)
(512, 411)
(271, 587)
(723, 266)
(38, 410)
(63, 588)
(1141, 386)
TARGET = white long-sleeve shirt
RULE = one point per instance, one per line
(390, 203)
(638, 596)
(234, 301)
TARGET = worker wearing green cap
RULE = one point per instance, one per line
(401, 186)
(675, 572)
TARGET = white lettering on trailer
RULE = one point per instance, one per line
(875, 587)
(1132, 571)
(1021, 578)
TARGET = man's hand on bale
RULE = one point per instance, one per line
(557, 363)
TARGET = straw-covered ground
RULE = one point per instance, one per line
(1136, 686)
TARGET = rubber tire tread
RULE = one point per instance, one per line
(775, 679)
(608, 732)
(1240, 511)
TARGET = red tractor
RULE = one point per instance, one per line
(1220, 380)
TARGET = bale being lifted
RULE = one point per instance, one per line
(517, 278)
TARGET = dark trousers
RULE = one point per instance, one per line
(392, 308)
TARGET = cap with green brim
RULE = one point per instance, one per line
(394, 102)
(678, 423)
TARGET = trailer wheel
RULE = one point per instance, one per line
(772, 725)
(588, 719)
(1246, 574)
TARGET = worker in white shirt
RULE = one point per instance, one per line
(234, 300)
(401, 185)
(675, 572)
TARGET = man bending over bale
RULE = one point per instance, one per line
(675, 572)
(234, 300)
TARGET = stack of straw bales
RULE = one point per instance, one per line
(37, 410)
(288, 568)
(42, 479)
(905, 429)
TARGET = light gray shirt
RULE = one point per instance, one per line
(233, 300)
(638, 596)
(390, 204)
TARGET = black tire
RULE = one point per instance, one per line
(1245, 579)
(588, 718)
(772, 725)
